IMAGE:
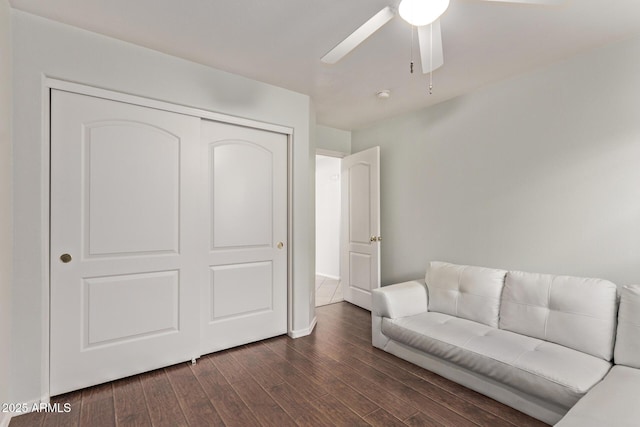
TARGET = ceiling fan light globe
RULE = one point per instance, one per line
(422, 12)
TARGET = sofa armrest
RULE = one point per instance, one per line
(400, 300)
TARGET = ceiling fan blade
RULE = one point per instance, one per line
(431, 54)
(549, 2)
(359, 35)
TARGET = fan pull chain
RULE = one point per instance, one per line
(411, 51)
(431, 60)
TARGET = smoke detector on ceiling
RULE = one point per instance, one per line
(383, 94)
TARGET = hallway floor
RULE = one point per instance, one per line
(328, 290)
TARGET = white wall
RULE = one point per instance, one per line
(43, 47)
(328, 216)
(332, 139)
(540, 173)
(5, 201)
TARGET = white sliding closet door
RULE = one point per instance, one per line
(127, 252)
(168, 238)
(245, 297)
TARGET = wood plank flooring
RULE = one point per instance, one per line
(332, 377)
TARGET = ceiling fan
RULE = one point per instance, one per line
(422, 14)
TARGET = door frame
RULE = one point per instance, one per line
(49, 83)
(331, 153)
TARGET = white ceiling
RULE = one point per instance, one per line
(281, 42)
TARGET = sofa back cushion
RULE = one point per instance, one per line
(574, 312)
(627, 350)
(472, 293)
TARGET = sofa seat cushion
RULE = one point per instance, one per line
(613, 402)
(549, 371)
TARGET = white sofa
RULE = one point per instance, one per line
(542, 344)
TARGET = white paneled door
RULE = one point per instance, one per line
(246, 293)
(124, 249)
(155, 229)
(360, 248)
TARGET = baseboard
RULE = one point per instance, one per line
(5, 419)
(304, 332)
(328, 276)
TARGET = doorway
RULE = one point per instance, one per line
(347, 227)
(328, 208)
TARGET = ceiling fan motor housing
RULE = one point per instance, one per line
(422, 12)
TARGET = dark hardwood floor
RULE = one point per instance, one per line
(332, 377)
